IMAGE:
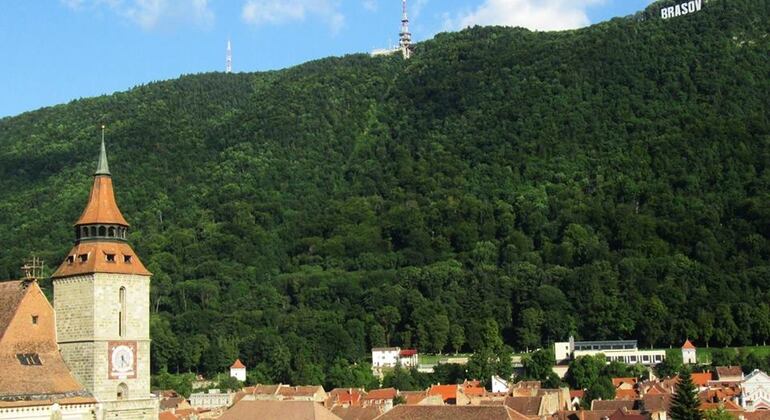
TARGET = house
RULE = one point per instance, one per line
(35, 383)
(756, 391)
(701, 379)
(427, 412)
(576, 399)
(450, 394)
(381, 398)
(238, 370)
(625, 388)
(211, 399)
(345, 397)
(499, 385)
(729, 374)
(285, 410)
(390, 357)
(625, 351)
(315, 393)
(689, 353)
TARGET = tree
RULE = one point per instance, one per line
(685, 404)
(719, 414)
(456, 337)
(600, 389)
(584, 371)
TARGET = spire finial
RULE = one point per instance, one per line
(102, 168)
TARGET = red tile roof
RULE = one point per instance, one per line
(238, 365)
(447, 392)
(701, 379)
(453, 412)
(408, 352)
(688, 345)
(381, 394)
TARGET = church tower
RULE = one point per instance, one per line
(102, 304)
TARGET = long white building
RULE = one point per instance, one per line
(625, 351)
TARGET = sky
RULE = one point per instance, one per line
(55, 51)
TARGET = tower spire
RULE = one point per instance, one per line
(103, 168)
(405, 37)
(229, 58)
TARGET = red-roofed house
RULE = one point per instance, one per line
(451, 394)
(238, 370)
(345, 397)
(701, 380)
(381, 398)
(689, 353)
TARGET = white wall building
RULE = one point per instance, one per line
(756, 391)
(689, 353)
(499, 385)
(212, 399)
(624, 351)
(392, 356)
(238, 370)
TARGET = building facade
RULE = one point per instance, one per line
(101, 299)
(756, 391)
(624, 351)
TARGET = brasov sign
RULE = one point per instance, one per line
(681, 9)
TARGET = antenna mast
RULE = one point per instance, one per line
(229, 58)
(33, 269)
(405, 37)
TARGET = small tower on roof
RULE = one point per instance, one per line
(405, 37)
(238, 370)
(689, 353)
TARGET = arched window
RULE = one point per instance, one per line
(111, 232)
(93, 230)
(102, 231)
(122, 313)
(85, 231)
(122, 392)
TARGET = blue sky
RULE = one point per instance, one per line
(57, 50)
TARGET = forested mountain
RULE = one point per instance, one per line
(611, 182)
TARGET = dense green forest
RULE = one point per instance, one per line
(500, 190)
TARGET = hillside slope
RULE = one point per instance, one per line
(610, 182)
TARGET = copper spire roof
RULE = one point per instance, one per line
(101, 207)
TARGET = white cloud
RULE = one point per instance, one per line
(370, 5)
(543, 15)
(151, 14)
(275, 12)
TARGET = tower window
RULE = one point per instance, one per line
(111, 232)
(70, 259)
(93, 230)
(127, 259)
(83, 257)
(122, 393)
(122, 313)
(102, 231)
(110, 257)
(34, 319)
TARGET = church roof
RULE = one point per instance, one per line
(238, 365)
(93, 257)
(688, 345)
(101, 207)
(33, 371)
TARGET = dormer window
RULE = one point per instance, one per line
(70, 259)
(29, 359)
(83, 257)
(34, 319)
(127, 259)
(110, 257)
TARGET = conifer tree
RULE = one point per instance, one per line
(685, 404)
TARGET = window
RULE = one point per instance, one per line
(127, 259)
(102, 231)
(122, 313)
(70, 259)
(29, 359)
(111, 231)
(110, 257)
(34, 319)
(83, 257)
(122, 392)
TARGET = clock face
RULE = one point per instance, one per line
(122, 358)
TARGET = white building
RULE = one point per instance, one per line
(212, 399)
(500, 385)
(238, 370)
(392, 356)
(756, 391)
(689, 353)
(624, 351)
